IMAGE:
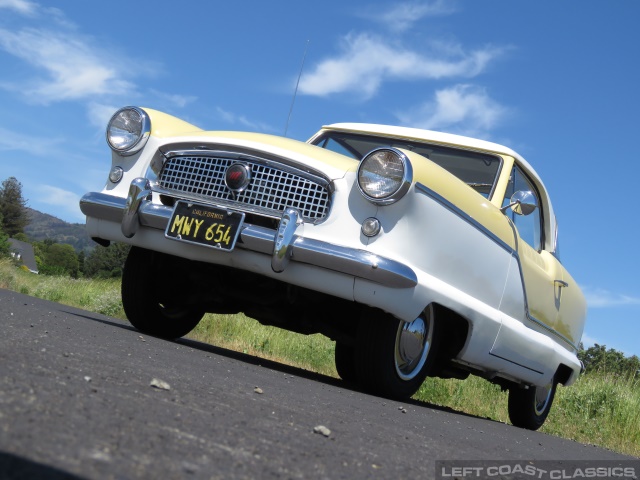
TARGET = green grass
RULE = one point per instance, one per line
(602, 410)
(102, 296)
(240, 333)
(599, 409)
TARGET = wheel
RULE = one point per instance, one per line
(345, 362)
(394, 357)
(529, 408)
(148, 297)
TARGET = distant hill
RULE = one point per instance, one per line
(42, 226)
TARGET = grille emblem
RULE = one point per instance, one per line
(237, 177)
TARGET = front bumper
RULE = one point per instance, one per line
(137, 210)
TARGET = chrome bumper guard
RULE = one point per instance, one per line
(283, 245)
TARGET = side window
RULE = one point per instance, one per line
(529, 226)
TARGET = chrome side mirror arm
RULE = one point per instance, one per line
(522, 203)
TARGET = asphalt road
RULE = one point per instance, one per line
(76, 401)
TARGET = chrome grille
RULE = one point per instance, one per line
(270, 189)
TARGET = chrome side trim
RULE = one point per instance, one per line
(515, 363)
(481, 228)
(349, 261)
(464, 216)
(552, 330)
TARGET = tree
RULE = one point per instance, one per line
(60, 259)
(81, 259)
(106, 262)
(55, 258)
(13, 207)
(22, 237)
(5, 246)
(40, 251)
(598, 358)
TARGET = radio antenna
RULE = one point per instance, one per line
(295, 92)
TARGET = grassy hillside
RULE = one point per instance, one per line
(42, 226)
(598, 409)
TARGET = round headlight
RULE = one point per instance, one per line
(384, 175)
(128, 130)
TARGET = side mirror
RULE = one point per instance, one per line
(522, 203)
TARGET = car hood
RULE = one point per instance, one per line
(174, 133)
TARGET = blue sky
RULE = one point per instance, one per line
(555, 81)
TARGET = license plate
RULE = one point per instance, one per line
(204, 225)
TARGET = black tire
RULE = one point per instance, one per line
(147, 299)
(394, 357)
(346, 362)
(529, 408)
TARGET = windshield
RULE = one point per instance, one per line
(478, 170)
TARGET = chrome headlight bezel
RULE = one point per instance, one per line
(390, 169)
(128, 130)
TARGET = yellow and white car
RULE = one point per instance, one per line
(420, 253)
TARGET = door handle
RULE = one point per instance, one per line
(561, 283)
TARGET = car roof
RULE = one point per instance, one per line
(420, 134)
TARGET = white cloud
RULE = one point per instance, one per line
(15, 141)
(35, 10)
(366, 61)
(402, 16)
(177, 100)
(59, 17)
(74, 69)
(99, 114)
(23, 7)
(462, 109)
(601, 298)
(234, 119)
(69, 66)
(65, 200)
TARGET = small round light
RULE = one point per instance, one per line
(384, 175)
(371, 227)
(116, 174)
(128, 130)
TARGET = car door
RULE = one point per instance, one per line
(573, 310)
(542, 275)
(541, 271)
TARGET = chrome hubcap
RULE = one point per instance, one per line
(543, 394)
(412, 346)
